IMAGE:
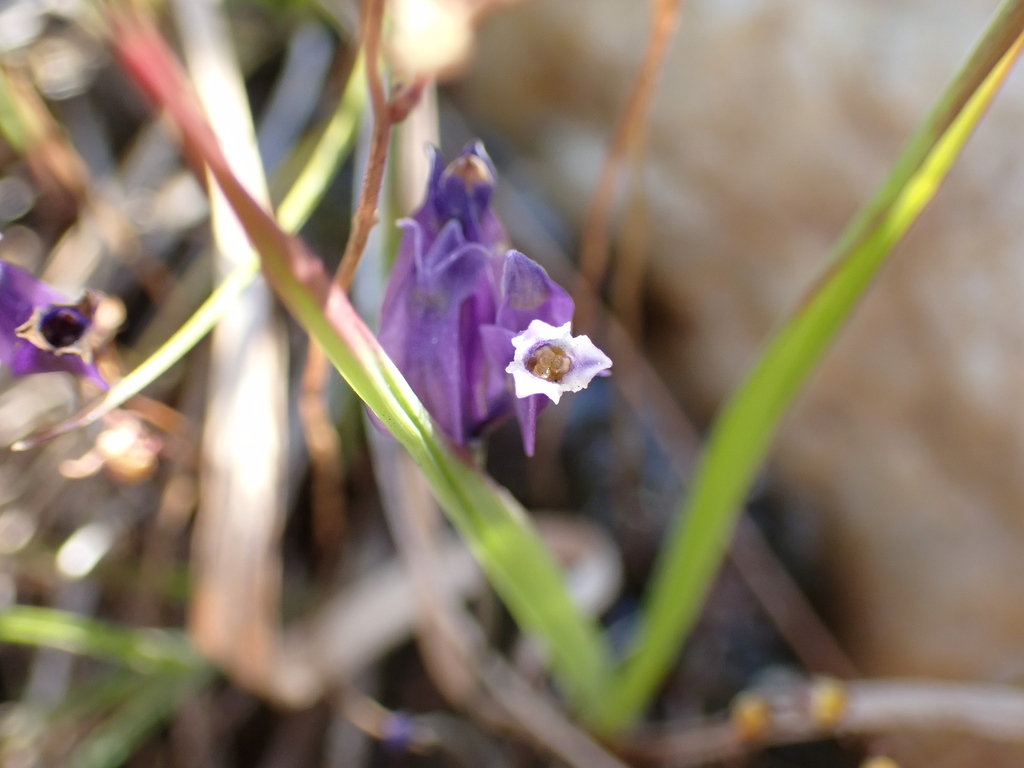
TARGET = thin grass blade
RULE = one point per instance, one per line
(743, 432)
(144, 649)
(113, 742)
(12, 119)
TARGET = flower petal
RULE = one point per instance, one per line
(528, 294)
(431, 309)
(527, 411)
(455, 301)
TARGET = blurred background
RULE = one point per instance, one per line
(888, 523)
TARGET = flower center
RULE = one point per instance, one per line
(549, 362)
(62, 327)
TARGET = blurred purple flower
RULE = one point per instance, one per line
(41, 331)
(457, 299)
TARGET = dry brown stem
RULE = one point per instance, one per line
(322, 442)
(787, 607)
(626, 140)
(326, 463)
(366, 211)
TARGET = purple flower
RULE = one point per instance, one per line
(42, 331)
(457, 301)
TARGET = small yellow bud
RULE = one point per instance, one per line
(750, 716)
(828, 702)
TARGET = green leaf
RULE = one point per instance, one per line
(112, 743)
(94, 697)
(743, 432)
(171, 671)
(145, 649)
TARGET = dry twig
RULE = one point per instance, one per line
(366, 211)
(626, 140)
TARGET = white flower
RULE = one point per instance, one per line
(550, 361)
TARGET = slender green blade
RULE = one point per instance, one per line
(333, 146)
(94, 697)
(12, 123)
(112, 743)
(495, 526)
(743, 432)
(171, 671)
(138, 648)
